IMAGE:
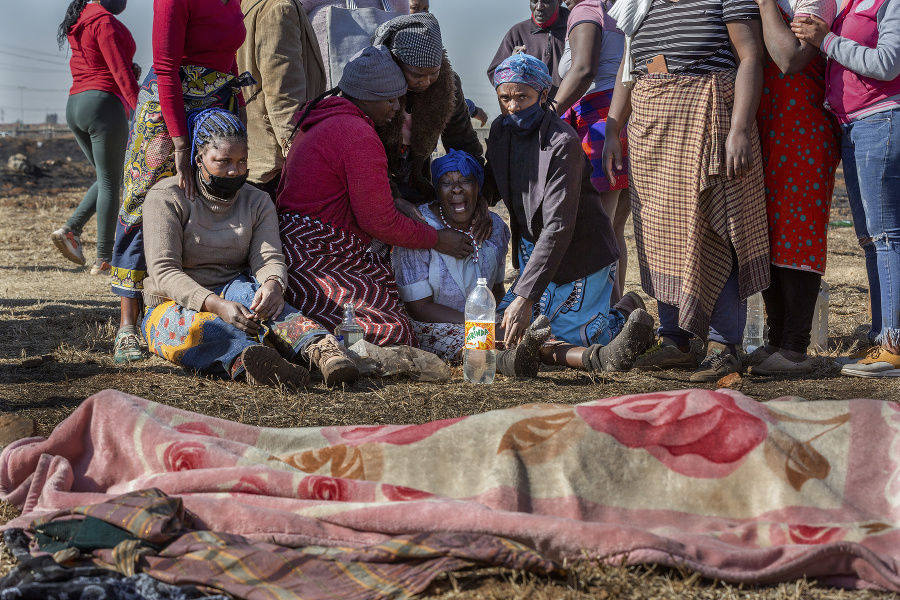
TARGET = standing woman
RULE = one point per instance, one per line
(104, 89)
(800, 164)
(696, 170)
(566, 244)
(863, 73)
(588, 67)
(194, 45)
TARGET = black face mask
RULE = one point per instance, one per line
(222, 187)
(114, 6)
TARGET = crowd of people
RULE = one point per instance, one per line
(261, 195)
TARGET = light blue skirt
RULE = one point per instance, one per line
(579, 311)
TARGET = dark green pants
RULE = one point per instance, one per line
(100, 125)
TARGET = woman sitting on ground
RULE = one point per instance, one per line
(217, 276)
(567, 247)
(336, 210)
(434, 287)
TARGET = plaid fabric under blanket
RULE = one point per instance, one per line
(396, 568)
(687, 214)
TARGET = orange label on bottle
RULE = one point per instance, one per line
(479, 335)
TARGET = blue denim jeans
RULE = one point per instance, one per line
(870, 149)
(203, 341)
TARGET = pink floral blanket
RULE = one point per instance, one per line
(714, 481)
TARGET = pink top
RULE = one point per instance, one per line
(336, 172)
(102, 52)
(202, 33)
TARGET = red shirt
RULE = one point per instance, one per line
(102, 52)
(201, 33)
(336, 172)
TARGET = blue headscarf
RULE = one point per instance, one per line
(457, 160)
(523, 68)
(211, 123)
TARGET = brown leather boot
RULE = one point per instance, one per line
(264, 366)
(330, 357)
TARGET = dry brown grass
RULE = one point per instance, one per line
(51, 307)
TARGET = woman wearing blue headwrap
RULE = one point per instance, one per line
(566, 243)
(216, 274)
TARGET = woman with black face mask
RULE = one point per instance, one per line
(194, 67)
(216, 274)
(104, 89)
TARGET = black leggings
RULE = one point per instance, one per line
(790, 307)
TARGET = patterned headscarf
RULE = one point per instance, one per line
(523, 68)
(457, 160)
(414, 39)
(213, 123)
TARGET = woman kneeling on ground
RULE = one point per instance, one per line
(206, 308)
(434, 286)
(567, 246)
(336, 210)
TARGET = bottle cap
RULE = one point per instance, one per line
(482, 281)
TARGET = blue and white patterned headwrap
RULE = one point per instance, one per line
(211, 123)
(523, 68)
(457, 160)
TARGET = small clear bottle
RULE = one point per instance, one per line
(479, 355)
(818, 339)
(349, 329)
(754, 330)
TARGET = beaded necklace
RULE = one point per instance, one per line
(469, 233)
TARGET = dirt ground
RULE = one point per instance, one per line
(53, 309)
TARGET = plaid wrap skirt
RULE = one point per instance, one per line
(687, 214)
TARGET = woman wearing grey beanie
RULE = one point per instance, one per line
(336, 210)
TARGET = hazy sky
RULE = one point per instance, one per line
(35, 79)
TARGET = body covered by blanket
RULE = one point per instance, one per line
(715, 481)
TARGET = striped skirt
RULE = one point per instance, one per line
(328, 267)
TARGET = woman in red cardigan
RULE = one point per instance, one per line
(194, 67)
(104, 89)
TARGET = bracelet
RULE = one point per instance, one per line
(277, 279)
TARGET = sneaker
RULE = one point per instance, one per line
(127, 347)
(718, 363)
(524, 360)
(620, 354)
(778, 364)
(665, 355)
(332, 359)
(264, 366)
(854, 357)
(101, 267)
(69, 244)
(877, 363)
(758, 356)
(630, 302)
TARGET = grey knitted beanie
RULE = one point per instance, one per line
(372, 74)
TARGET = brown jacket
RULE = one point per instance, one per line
(282, 54)
(576, 238)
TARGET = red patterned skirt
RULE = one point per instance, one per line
(328, 267)
(801, 147)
